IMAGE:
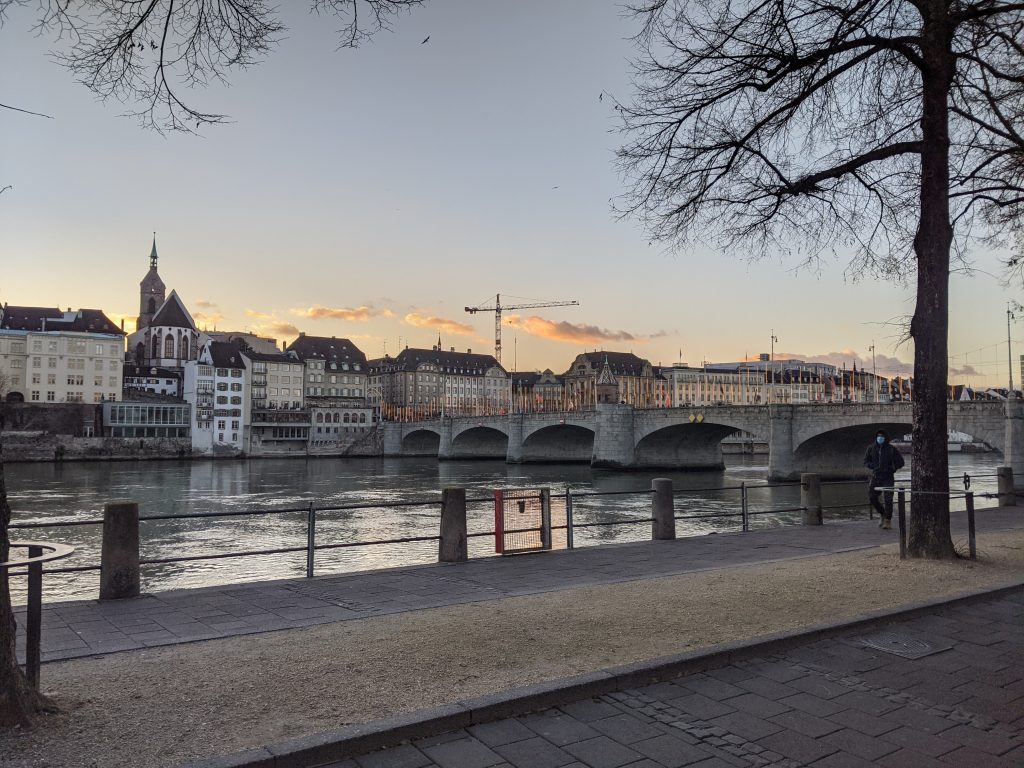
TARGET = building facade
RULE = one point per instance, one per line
(638, 384)
(279, 420)
(216, 386)
(50, 356)
(427, 383)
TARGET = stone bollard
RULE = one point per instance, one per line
(1007, 495)
(453, 545)
(663, 507)
(810, 498)
(119, 558)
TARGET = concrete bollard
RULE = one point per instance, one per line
(453, 545)
(810, 498)
(663, 507)
(1007, 496)
(119, 558)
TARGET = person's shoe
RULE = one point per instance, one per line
(887, 525)
(881, 523)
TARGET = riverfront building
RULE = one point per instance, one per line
(335, 372)
(216, 386)
(50, 356)
(638, 384)
(426, 383)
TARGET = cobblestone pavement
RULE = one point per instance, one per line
(86, 627)
(832, 703)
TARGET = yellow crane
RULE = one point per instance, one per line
(497, 309)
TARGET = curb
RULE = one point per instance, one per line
(361, 738)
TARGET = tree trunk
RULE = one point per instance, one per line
(929, 522)
(18, 700)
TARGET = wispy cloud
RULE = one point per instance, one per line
(885, 365)
(353, 314)
(440, 323)
(575, 333)
(204, 304)
(279, 329)
(259, 315)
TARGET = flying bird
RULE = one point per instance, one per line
(600, 96)
(425, 39)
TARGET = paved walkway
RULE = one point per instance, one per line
(82, 628)
(832, 703)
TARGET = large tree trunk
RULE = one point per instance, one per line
(18, 700)
(929, 528)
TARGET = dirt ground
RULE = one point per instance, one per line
(162, 706)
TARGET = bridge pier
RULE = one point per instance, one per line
(444, 449)
(514, 454)
(392, 438)
(614, 442)
(781, 465)
(1013, 447)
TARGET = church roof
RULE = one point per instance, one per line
(462, 363)
(172, 314)
(621, 363)
(53, 319)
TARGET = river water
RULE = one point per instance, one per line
(77, 491)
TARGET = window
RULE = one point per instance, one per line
(36, 362)
(112, 381)
(156, 346)
(97, 398)
(52, 346)
(221, 424)
(35, 395)
(113, 349)
(234, 425)
(51, 378)
(37, 345)
(236, 374)
(35, 378)
(97, 381)
(17, 363)
(236, 387)
(184, 348)
(168, 345)
(112, 366)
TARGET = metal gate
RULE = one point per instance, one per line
(522, 520)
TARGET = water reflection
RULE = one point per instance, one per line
(47, 492)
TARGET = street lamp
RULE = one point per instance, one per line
(874, 376)
(771, 368)
(1010, 307)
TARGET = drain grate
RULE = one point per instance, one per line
(904, 645)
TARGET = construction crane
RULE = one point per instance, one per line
(498, 308)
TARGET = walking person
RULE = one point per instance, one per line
(884, 460)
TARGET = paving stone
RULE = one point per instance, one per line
(797, 746)
(843, 760)
(921, 721)
(759, 706)
(463, 753)
(501, 732)
(625, 729)
(807, 724)
(750, 727)
(765, 686)
(558, 728)
(701, 706)
(534, 753)
(859, 744)
(404, 756)
(967, 757)
(602, 752)
(711, 687)
(864, 723)
(986, 741)
(864, 702)
(819, 686)
(907, 758)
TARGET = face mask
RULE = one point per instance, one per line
(880, 440)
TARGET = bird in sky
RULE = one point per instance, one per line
(425, 39)
(600, 96)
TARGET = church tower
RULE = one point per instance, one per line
(151, 292)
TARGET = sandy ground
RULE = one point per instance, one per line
(162, 706)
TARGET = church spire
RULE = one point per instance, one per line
(152, 253)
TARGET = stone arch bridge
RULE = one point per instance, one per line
(828, 439)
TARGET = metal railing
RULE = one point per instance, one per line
(314, 514)
(901, 507)
(39, 552)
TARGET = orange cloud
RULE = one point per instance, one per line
(259, 315)
(280, 329)
(204, 304)
(440, 323)
(575, 333)
(356, 314)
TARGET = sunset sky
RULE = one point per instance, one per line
(374, 193)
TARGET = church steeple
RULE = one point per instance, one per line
(152, 254)
(152, 291)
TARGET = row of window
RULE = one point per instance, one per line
(148, 414)
(70, 397)
(341, 418)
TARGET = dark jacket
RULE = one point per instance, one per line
(884, 461)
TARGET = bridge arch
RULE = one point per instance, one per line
(839, 452)
(479, 442)
(421, 442)
(686, 445)
(559, 443)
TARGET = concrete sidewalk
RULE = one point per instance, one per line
(836, 702)
(83, 628)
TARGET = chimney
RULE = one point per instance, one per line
(284, 345)
(469, 351)
(453, 349)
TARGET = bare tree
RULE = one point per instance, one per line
(883, 127)
(148, 53)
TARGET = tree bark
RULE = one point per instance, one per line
(18, 700)
(929, 527)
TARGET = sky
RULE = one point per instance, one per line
(375, 193)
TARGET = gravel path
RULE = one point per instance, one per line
(162, 706)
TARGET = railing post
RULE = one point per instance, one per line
(453, 547)
(119, 556)
(810, 498)
(1004, 477)
(310, 539)
(901, 505)
(744, 508)
(972, 542)
(34, 619)
(663, 507)
(545, 518)
(569, 543)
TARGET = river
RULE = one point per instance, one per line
(51, 492)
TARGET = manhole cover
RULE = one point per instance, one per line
(904, 645)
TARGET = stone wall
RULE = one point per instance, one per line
(47, 446)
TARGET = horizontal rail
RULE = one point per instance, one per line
(582, 494)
